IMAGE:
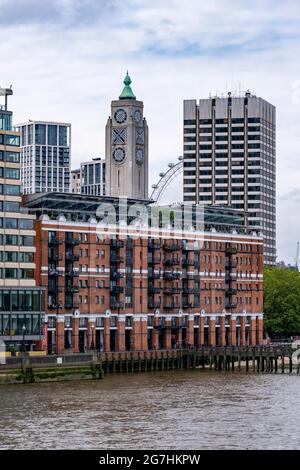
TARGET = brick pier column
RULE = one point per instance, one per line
(136, 333)
(120, 346)
(259, 327)
(106, 335)
(222, 331)
(75, 335)
(144, 333)
(179, 331)
(233, 330)
(155, 332)
(201, 330)
(167, 334)
(60, 334)
(212, 331)
(190, 333)
(253, 330)
(243, 331)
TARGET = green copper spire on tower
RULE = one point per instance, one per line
(127, 93)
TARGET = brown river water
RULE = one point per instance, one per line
(161, 410)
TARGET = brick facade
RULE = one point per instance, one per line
(138, 293)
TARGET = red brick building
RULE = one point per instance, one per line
(116, 289)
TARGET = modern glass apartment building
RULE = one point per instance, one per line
(230, 159)
(45, 156)
(21, 302)
(92, 177)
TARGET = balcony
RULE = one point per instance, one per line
(187, 305)
(72, 289)
(170, 275)
(231, 250)
(191, 290)
(53, 307)
(229, 304)
(154, 290)
(154, 260)
(153, 275)
(116, 260)
(153, 245)
(116, 275)
(55, 257)
(187, 262)
(231, 292)
(54, 241)
(117, 243)
(116, 305)
(71, 305)
(54, 272)
(72, 273)
(171, 262)
(117, 289)
(172, 290)
(72, 257)
(153, 304)
(169, 305)
(171, 246)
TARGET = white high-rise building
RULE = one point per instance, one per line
(230, 159)
(45, 156)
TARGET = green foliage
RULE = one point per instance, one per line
(281, 301)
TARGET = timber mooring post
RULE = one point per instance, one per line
(282, 363)
(291, 364)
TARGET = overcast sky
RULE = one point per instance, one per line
(66, 60)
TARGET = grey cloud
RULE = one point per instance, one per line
(55, 12)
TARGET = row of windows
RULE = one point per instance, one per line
(9, 206)
(16, 240)
(252, 120)
(16, 273)
(11, 173)
(12, 325)
(16, 256)
(21, 300)
(12, 157)
(16, 223)
(5, 121)
(56, 135)
(13, 140)
(10, 189)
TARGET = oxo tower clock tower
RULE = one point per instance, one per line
(126, 147)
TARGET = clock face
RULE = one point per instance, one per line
(137, 116)
(139, 156)
(120, 115)
(140, 136)
(119, 155)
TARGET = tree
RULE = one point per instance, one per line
(281, 302)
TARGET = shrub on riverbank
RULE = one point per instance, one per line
(281, 302)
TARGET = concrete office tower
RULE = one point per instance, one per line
(230, 159)
(75, 184)
(127, 147)
(45, 156)
(21, 302)
(92, 177)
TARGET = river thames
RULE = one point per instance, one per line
(162, 410)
